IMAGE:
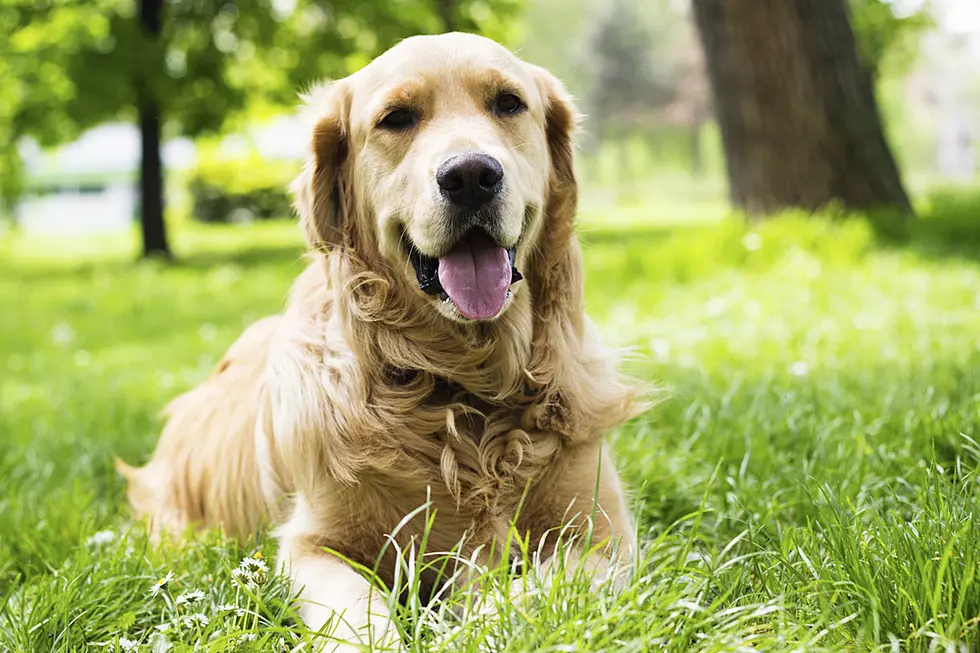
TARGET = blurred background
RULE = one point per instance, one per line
(128, 123)
(780, 212)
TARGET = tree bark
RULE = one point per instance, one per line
(796, 107)
(151, 162)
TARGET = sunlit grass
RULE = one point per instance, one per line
(807, 483)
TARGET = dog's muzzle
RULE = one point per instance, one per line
(475, 275)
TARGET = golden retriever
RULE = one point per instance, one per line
(434, 350)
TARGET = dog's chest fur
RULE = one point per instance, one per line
(460, 485)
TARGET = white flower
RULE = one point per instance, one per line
(196, 620)
(101, 538)
(253, 565)
(241, 574)
(247, 637)
(190, 598)
(162, 584)
(231, 607)
(252, 571)
(128, 644)
(799, 368)
(124, 644)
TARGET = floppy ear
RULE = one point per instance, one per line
(319, 190)
(561, 122)
(557, 264)
(579, 393)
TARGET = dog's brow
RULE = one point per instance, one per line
(401, 94)
(495, 80)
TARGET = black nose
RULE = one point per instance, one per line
(470, 180)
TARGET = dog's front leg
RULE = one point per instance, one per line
(580, 524)
(348, 612)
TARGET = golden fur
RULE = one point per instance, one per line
(365, 398)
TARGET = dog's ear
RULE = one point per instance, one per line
(557, 264)
(319, 190)
(561, 124)
(579, 393)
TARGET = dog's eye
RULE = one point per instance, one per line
(399, 119)
(507, 103)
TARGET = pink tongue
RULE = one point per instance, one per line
(476, 275)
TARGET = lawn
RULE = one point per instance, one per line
(806, 482)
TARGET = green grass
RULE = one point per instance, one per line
(808, 481)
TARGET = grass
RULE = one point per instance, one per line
(808, 481)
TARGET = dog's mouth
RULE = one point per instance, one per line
(475, 275)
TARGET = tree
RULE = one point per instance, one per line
(74, 65)
(796, 106)
(190, 67)
(624, 77)
(35, 55)
(647, 73)
(151, 163)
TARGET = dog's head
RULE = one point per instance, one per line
(441, 157)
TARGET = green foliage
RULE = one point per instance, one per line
(807, 482)
(240, 187)
(623, 64)
(949, 222)
(35, 74)
(68, 65)
(888, 40)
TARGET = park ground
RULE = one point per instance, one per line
(807, 481)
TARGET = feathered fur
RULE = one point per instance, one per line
(359, 403)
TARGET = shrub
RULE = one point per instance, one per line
(240, 189)
(950, 221)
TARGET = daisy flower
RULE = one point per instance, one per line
(191, 597)
(196, 620)
(126, 644)
(253, 571)
(158, 587)
(254, 565)
(242, 574)
(231, 607)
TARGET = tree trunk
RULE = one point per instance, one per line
(151, 163)
(796, 107)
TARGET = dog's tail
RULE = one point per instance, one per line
(204, 471)
(147, 495)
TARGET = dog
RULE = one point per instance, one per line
(434, 351)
